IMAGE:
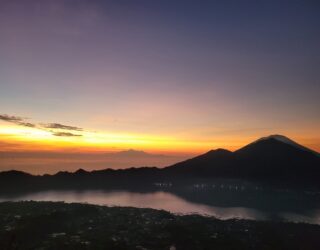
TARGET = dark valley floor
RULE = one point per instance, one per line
(56, 225)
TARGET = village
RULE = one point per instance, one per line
(58, 225)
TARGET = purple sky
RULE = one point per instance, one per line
(199, 71)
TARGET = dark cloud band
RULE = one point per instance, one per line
(51, 127)
(65, 134)
(11, 118)
(16, 120)
(60, 126)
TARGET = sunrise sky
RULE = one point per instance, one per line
(166, 77)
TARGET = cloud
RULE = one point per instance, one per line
(61, 126)
(54, 128)
(27, 124)
(64, 134)
(11, 118)
(16, 120)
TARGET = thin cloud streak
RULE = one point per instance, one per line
(11, 118)
(51, 127)
(16, 120)
(61, 126)
(64, 134)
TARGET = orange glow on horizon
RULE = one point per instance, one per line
(17, 138)
(31, 139)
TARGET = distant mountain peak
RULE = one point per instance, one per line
(286, 140)
(80, 171)
(134, 153)
(219, 151)
(281, 138)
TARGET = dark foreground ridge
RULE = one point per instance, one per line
(56, 225)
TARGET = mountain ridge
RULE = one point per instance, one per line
(265, 160)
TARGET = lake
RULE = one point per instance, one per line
(223, 205)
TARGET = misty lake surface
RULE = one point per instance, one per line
(176, 204)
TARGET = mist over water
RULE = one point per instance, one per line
(39, 163)
(204, 204)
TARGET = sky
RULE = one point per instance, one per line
(165, 77)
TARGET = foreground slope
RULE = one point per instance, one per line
(49, 225)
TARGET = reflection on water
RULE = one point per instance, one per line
(166, 201)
